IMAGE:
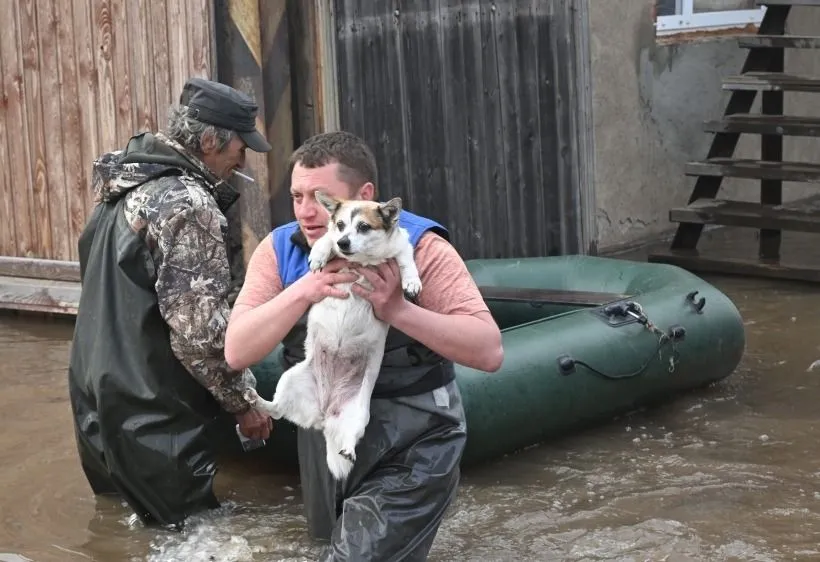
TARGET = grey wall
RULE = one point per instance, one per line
(649, 103)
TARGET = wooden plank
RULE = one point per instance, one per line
(34, 112)
(158, 38)
(277, 90)
(302, 36)
(52, 270)
(779, 41)
(789, 125)
(178, 45)
(73, 176)
(756, 169)
(198, 23)
(693, 261)
(748, 214)
(771, 81)
(123, 86)
(13, 89)
(51, 122)
(39, 295)
(553, 296)
(140, 59)
(104, 48)
(88, 102)
(8, 237)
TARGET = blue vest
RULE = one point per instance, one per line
(293, 259)
(408, 367)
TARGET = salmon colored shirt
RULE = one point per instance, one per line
(447, 286)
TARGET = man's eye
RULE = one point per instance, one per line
(364, 227)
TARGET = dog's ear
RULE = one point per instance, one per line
(390, 211)
(328, 202)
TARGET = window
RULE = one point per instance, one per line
(675, 16)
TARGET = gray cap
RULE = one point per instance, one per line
(223, 106)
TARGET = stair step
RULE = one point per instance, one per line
(788, 3)
(747, 214)
(755, 169)
(780, 41)
(771, 81)
(692, 260)
(792, 125)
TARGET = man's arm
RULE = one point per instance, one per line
(265, 312)
(471, 340)
(193, 286)
(451, 318)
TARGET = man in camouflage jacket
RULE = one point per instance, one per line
(148, 376)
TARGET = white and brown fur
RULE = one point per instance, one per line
(331, 389)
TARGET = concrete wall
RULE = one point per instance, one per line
(649, 103)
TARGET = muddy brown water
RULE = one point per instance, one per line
(729, 472)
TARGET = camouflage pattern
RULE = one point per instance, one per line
(181, 219)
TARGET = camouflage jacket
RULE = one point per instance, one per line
(177, 207)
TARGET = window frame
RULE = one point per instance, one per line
(685, 19)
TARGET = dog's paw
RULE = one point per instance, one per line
(349, 454)
(316, 263)
(251, 396)
(411, 288)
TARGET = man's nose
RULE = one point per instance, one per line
(306, 210)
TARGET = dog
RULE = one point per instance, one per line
(330, 389)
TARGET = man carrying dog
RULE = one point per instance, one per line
(147, 372)
(406, 472)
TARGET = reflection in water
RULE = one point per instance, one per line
(724, 473)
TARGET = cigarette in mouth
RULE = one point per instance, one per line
(243, 176)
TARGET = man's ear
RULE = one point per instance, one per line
(367, 192)
(390, 211)
(207, 143)
(329, 203)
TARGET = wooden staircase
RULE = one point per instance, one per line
(763, 71)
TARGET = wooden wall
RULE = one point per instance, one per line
(79, 77)
(471, 107)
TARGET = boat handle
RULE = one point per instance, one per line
(698, 306)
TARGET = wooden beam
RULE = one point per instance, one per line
(747, 214)
(276, 75)
(788, 125)
(326, 64)
(37, 295)
(771, 82)
(755, 169)
(33, 268)
(239, 56)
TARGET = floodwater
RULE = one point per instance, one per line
(729, 472)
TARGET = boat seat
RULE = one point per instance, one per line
(551, 296)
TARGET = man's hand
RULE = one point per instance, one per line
(386, 296)
(254, 424)
(317, 285)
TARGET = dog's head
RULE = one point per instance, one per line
(360, 230)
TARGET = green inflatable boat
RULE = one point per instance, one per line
(585, 339)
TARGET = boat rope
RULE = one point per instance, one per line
(567, 363)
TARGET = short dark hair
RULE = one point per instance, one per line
(357, 165)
